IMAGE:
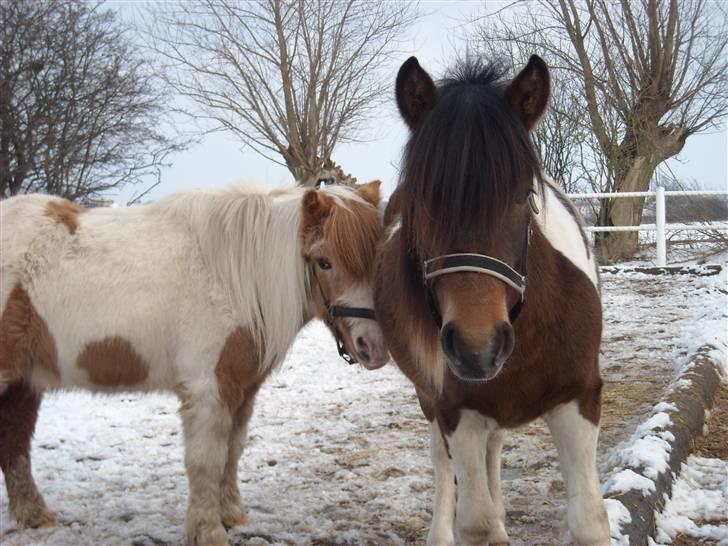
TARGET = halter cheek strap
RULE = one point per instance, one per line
(334, 312)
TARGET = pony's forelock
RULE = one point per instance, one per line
(353, 230)
(467, 163)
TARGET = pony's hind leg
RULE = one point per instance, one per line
(443, 510)
(576, 442)
(207, 423)
(18, 414)
(477, 521)
(232, 510)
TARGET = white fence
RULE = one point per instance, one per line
(660, 227)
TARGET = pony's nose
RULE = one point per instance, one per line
(372, 350)
(477, 361)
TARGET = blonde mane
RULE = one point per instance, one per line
(248, 237)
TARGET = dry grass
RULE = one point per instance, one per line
(715, 444)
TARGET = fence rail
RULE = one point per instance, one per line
(660, 227)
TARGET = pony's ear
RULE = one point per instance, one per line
(528, 93)
(370, 192)
(316, 207)
(416, 92)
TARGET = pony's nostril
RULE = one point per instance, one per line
(362, 348)
(507, 341)
(447, 337)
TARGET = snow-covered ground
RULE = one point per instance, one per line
(339, 455)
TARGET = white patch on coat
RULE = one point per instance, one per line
(443, 506)
(563, 231)
(576, 442)
(477, 518)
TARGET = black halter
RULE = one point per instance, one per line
(478, 263)
(334, 312)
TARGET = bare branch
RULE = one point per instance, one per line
(290, 79)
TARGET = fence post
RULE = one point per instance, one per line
(660, 227)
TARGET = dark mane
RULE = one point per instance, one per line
(467, 163)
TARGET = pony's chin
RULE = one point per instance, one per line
(373, 365)
(466, 374)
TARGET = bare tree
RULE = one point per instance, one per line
(651, 73)
(563, 137)
(80, 112)
(290, 79)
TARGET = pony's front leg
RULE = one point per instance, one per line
(477, 521)
(493, 466)
(443, 510)
(576, 442)
(207, 423)
(18, 414)
(232, 510)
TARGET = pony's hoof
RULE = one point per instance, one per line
(236, 522)
(208, 535)
(234, 514)
(38, 519)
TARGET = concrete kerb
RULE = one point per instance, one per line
(642, 475)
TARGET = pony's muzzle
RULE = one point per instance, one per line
(371, 348)
(477, 362)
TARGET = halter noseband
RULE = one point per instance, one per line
(478, 263)
(334, 312)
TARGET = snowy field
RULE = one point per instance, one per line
(339, 455)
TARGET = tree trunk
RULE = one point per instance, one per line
(627, 211)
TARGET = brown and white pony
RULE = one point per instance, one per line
(471, 218)
(201, 294)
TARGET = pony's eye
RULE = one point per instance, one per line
(323, 264)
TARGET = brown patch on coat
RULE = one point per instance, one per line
(555, 359)
(238, 368)
(66, 213)
(113, 362)
(25, 340)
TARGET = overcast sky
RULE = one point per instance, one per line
(220, 160)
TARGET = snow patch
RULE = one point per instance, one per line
(648, 449)
(618, 515)
(627, 480)
(698, 504)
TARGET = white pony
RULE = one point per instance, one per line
(201, 294)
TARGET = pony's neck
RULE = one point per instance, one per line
(249, 240)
